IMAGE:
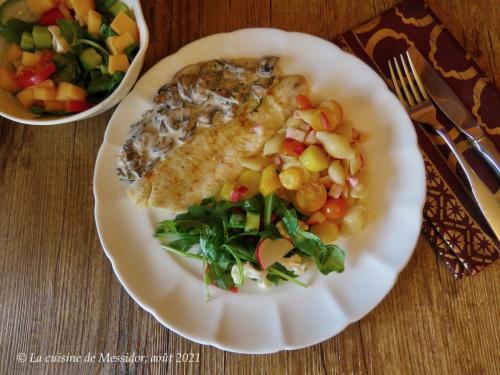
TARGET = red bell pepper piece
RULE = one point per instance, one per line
(292, 147)
(238, 193)
(50, 17)
(74, 106)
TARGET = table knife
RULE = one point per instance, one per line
(444, 97)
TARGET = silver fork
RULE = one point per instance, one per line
(412, 94)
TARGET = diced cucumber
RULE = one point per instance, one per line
(27, 43)
(42, 37)
(119, 7)
(90, 59)
(252, 222)
(103, 68)
(236, 221)
(109, 3)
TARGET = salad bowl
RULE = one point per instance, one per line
(12, 109)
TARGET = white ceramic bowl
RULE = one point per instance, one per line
(12, 109)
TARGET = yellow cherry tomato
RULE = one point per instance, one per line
(292, 178)
(311, 196)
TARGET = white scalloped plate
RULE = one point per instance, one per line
(286, 317)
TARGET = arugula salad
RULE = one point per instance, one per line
(64, 56)
(261, 238)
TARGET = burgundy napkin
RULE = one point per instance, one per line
(452, 222)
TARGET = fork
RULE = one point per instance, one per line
(412, 94)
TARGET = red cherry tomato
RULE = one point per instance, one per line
(32, 76)
(50, 17)
(291, 147)
(74, 106)
(334, 208)
(303, 102)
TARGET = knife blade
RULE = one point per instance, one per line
(449, 103)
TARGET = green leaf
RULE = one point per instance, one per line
(71, 31)
(104, 83)
(253, 204)
(68, 68)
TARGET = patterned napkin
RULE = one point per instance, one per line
(452, 222)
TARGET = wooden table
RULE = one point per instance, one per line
(58, 294)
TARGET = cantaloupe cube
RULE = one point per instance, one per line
(7, 80)
(53, 105)
(116, 44)
(26, 97)
(48, 84)
(122, 23)
(118, 63)
(30, 60)
(43, 93)
(14, 52)
(41, 6)
(94, 20)
(67, 91)
(82, 8)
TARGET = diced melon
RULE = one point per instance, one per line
(67, 3)
(7, 80)
(14, 52)
(41, 6)
(94, 20)
(44, 93)
(123, 23)
(67, 91)
(48, 84)
(53, 105)
(117, 44)
(30, 60)
(82, 8)
(26, 97)
(118, 63)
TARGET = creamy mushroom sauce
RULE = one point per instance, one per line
(198, 96)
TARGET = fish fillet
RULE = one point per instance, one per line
(197, 169)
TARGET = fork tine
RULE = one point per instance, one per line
(409, 77)
(410, 99)
(417, 78)
(396, 86)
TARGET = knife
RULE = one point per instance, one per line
(452, 107)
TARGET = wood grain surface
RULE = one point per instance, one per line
(58, 294)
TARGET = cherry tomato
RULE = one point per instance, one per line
(27, 77)
(303, 102)
(311, 196)
(50, 17)
(291, 147)
(73, 106)
(334, 208)
(292, 178)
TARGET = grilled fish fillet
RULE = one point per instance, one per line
(197, 169)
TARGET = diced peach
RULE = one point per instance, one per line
(67, 91)
(123, 23)
(116, 44)
(118, 63)
(82, 8)
(94, 20)
(41, 6)
(43, 93)
(14, 53)
(270, 181)
(327, 231)
(26, 97)
(7, 80)
(30, 60)
(48, 84)
(53, 105)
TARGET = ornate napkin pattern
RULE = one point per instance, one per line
(452, 222)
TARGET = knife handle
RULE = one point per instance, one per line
(488, 152)
(484, 197)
